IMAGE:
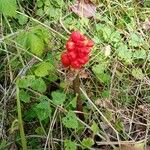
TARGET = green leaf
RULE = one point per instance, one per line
(100, 74)
(58, 98)
(4, 144)
(57, 3)
(124, 53)
(39, 131)
(95, 128)
(39, 3)
(73, 103)
(39, 85)
(22, 40)
(22, 19)
(26, 81)
(43, 69)
(69, 145)
(115, 37)
(87, 142)
(135, 40)
(52, 12)
(147, 3)
(106, 32)
(139, 54)
(106, 94)
(70, 121)
(137, 73)
(36, 44)
(119, 125)
(40, 12)
(43, 110)
(24, 96)
(8, 7)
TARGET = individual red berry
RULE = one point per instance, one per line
(83, 60)
(76, 36)
(82, 43)
(85, 50)
(75, 64)
(83, 37)
(81, 55)
(65, 59)
(72, 55)
(90, 43)
(70, 46)
(86, 59)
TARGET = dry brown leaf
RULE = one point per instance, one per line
(84, 74)
(146, 24)
(84, 8)
(136, 146)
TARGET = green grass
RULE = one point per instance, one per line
(115, 88)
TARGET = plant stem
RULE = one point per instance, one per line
(20, 122)
(76, 88)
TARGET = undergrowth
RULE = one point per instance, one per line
(115, 84)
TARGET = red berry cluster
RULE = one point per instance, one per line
(78, 48)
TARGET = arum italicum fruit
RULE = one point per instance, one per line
(77, 52)
(78, 48)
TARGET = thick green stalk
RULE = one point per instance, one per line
(20, 122)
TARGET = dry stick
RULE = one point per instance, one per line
(76, 88)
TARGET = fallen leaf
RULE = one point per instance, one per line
(146, 24)
(134, 146)
(84, 8)
(84, 74)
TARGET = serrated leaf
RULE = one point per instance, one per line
(106, 32)
(139, 54)
(137, 73)
(36, 44)
(8, 7)
(100, 74)
(39, 85)
(24, 96)
(70, 121)
(124, 53)
(22, 40)
(43, 69)
(26, 81)
(135, 40)
(43, 110)
(58, 98)
(69, 145)
(22, 19)
(87, 142)
(39, 3)
(115, 37)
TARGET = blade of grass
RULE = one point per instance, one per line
(20, 121)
